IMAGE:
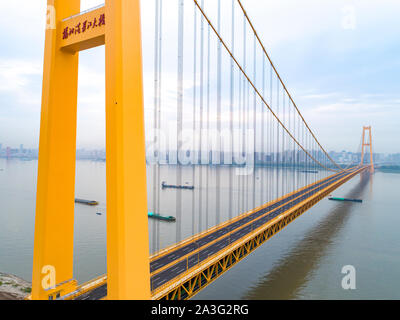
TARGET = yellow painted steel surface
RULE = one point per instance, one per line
(54, 224)
(127, 223)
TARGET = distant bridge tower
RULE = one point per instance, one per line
(367, 142)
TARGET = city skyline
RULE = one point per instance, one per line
(343, 156)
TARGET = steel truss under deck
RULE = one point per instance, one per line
(205, 274)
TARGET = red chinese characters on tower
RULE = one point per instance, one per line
(102, 20)
(84, 26)
(65, 33)
(78, 28)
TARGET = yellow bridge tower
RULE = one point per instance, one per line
(117, 26)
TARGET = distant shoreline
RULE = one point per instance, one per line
(389, 169)
(13, 287)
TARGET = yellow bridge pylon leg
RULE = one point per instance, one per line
(54, 224)
(128, 267)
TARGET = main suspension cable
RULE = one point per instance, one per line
(257, 91)
(283, 84)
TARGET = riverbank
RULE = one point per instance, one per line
(13, 288)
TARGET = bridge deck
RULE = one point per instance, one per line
(189, 257)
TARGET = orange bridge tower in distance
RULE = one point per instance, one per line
(367, 142)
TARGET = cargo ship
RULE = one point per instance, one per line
(160, 217)
(87, 202)
(345, 200)
(164, 185)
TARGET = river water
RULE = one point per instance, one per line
(304, 261)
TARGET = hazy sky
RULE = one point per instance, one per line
(339, 59)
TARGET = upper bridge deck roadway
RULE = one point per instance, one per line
(175, 261)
